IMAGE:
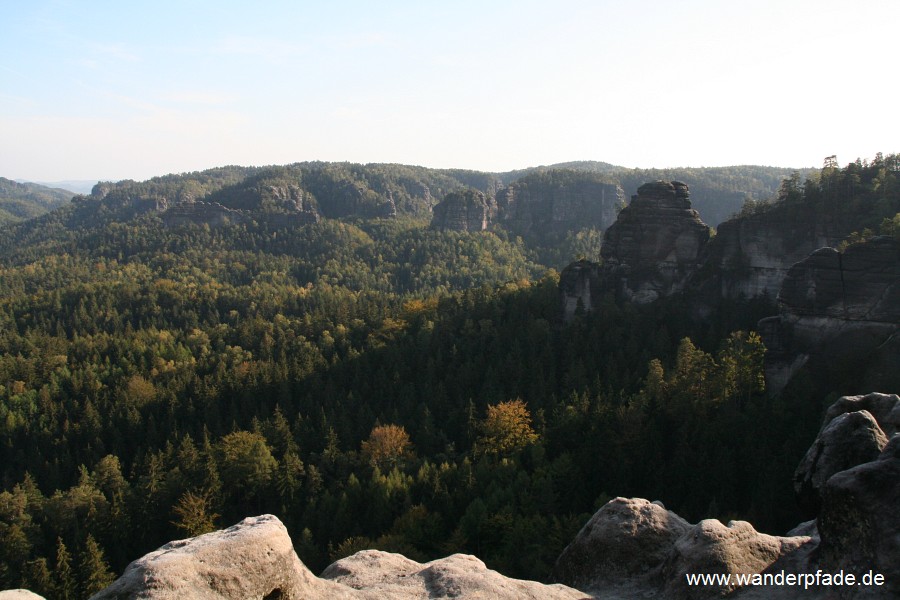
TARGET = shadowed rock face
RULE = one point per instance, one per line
(651, 251)
(637, 549)
(655, 245)
(462, 211)
(529, 206)
(839, 309)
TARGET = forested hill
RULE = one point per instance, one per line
(339, 190)
(371, 380)
(717, 193)
(20, 201)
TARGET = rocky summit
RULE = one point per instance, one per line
(650, 252)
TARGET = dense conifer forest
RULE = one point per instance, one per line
(371, 381)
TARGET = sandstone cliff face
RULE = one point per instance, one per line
(752, 255)
(543, 203)
(839, 309)
(463, 211)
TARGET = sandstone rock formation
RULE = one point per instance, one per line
(211, 213)
(255, 559)
(855, 431)
(651, 251)
(19, 595)
(558, 201)
(633, 548)
(859, 523)
(621, 549)
(382, 575)
(580, 285)
(463, 211)
(839, 309)
(655, 245)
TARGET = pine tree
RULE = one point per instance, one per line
(94, 571)
(65, 579)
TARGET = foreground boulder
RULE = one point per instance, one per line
(383, 575)
(255, 560)
(859, 522)
(634, 548)
(19, 595)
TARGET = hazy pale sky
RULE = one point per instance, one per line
(114, 90)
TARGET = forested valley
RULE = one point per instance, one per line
(372, 381)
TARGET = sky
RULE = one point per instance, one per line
(131, 90)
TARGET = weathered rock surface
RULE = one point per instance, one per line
(655, 245)
(580, 286)
(885, 408)
(751, 255)
(839, 309)
(463, 211)
(848, 440)
(859, 523)
(383, 575)
(19, 595)
(621, 548)
(634, 548)
(255, 559)
(558, 201)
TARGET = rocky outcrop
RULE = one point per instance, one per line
(558, 201)
(855, 431)
(848, 440)
(463, 211)
(650, 252)
(383, 575)
(580, 286)
(839, 309)
(211, 213)
(859, 524)
(637, 549)
(656, 243)
(633, 548)
(255, 559)
(621, 549)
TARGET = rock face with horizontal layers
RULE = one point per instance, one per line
(255, 559)
(463, 211)
(839, 309)
(655, 245)
(559, 202)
